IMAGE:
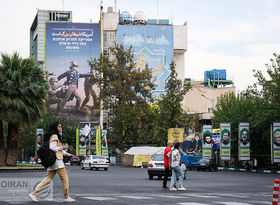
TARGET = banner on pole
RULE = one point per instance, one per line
(207, 141)
(39, 138)
(244, 141)
(276, 142)
(104, 146)
(225, 141)
(98, 141)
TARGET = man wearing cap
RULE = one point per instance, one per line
(72, 83)
(54, 93)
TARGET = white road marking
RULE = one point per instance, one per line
(260, 202)
(173, 197)
(136, 197)
(191, 203)
(232, 195)
(233, 203)
(98, 198)
(200, 195)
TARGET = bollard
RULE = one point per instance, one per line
(275, 192)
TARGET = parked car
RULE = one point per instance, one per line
(205, 163)
(156, 167)
(95, 161)
(76, 160)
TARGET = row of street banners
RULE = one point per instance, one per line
(222, 136)
(87, 137)
(225, 141)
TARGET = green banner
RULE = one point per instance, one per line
(244, 141)
(225, 141)
(207, 141)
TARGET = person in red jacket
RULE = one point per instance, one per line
(166, 163)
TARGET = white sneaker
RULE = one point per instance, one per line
(181, 189)
(69, 199)
(33, 197)
(173, 189)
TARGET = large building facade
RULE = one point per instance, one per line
(37, 31)
(155, 42)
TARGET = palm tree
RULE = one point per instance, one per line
(22, 92)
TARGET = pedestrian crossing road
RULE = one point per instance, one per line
(168, 197)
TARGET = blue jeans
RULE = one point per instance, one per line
(177, 171)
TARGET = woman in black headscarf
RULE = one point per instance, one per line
(53, 137)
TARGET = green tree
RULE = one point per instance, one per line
(233, 109)
(171, 113)
(22, 92)
(269, 88)
(125, 93)
(258, 105)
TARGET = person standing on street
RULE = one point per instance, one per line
(175, 159)
(166, 163)
(55, 144)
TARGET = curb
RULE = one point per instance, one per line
(252, 170)
(28, 162)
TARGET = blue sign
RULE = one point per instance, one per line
(152, 45)
(216, 139)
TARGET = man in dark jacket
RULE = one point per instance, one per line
(72, 85)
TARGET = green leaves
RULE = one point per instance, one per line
(125, 93)
(258, 105)
(23, 88)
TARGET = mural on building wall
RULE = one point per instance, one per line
(69, 46)
(152, 45)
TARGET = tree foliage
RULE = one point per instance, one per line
(258, 105)
(125, 93)
(170, 111)
(22, 92)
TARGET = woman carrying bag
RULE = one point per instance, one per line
(55, 144)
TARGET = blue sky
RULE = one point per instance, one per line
(238, 36)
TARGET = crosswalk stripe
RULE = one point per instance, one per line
(136, 197)
(97, 198)
(232, 195)
(172, 196)
(260, 202)
(233, 203)
(201, 196)
(191, 203)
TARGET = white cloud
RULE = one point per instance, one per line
(133, 40)
(162, 40)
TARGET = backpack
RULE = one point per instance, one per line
(46, 155)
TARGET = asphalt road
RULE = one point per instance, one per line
(122, 186)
